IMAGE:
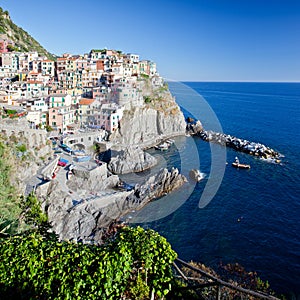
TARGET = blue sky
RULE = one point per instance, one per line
(191, 40)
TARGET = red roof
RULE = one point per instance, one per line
(34, 81)
(86, 101)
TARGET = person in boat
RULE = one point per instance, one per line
(237, 161)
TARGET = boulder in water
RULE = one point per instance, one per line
(196, 175)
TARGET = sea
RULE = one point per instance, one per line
(250, 217)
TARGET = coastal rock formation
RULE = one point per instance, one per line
(196, 175)
(252, 148)
(158, 185)
(241, 145)
(194, 128)
(132, 159)
(85, 181)
(146, 126)
(89, 219)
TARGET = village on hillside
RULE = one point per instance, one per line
(74, 91)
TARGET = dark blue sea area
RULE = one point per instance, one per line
(254, 216)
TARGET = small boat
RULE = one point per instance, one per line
(240, 166)
(170, 142)
(162, 147)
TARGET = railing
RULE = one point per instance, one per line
(212, 281)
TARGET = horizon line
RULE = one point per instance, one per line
(236, 81)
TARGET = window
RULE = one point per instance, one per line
(54, 123)
(53, 117)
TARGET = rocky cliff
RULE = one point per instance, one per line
(146, 126)
(131, 159)
(89, 219)
(157, 118)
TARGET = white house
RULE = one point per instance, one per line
(37, 118)
(39, 105)
(57, 100)
(134, 58)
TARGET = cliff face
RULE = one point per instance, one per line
(89, 219)
(132, 159)
(158, 118)
(145, 125)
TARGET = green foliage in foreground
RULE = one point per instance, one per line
(135, 264)
(9, 200)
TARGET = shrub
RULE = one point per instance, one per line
(147, 99)
(136, 262)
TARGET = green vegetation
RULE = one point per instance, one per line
(21, 148)
(134, 265)
(145, 76)
(32, 213)
(12, 48)
(23, 41)
(9, 199)
(163, 88)
(99, 50)
(147, 99)
(11, 111)
(48, 128)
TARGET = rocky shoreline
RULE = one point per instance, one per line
(241, 145)
(89, 219)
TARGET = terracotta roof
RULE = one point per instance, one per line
(34, 81)
(86, 101)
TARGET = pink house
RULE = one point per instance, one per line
(61, 117)
(3, 46)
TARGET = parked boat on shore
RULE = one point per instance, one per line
(165, 145)
(162, 147)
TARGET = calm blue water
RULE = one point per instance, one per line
(266, 198)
